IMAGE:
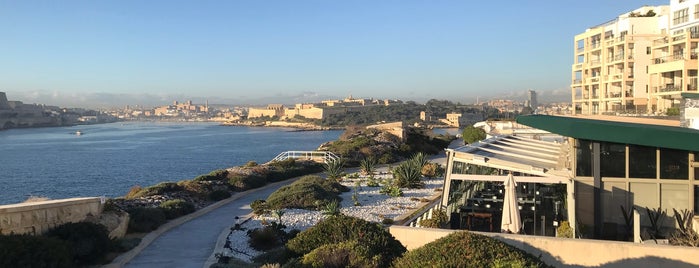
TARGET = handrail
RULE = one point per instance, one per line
(310, 155)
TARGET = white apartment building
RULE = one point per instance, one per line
(609, 71)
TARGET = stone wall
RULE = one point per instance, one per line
(38, 217)
(561, 252)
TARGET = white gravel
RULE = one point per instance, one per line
(374, 207)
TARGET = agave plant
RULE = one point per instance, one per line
(334, 169)
(408, 174)
(368, 165)
(420, 159)
(332, 208)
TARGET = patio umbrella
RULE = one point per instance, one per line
(510, 212)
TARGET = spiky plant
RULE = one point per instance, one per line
(368, 165)
(332, 208)
(408, 175)
(420, 159)
(335, 169)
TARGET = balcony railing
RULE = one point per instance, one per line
(676, 57)
(668, 88)
(580, 49)
(595, 62)
(577, 66)
(577, 81)
(594, 45)
(659, 42)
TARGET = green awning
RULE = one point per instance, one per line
(619, 132)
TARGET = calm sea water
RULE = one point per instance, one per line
(108, 159)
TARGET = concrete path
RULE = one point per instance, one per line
(191, 243)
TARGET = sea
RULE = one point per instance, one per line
(108, 159)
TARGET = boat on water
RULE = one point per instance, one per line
(78, 133)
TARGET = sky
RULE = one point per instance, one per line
(110, 53)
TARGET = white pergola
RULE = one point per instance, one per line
(543, 162)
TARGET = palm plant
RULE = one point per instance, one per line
(278, 213)
(368, 165)
(334, 169)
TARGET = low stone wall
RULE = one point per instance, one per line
(563, 252)
(38, 217)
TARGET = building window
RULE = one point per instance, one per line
(642, 162)
(680, 16)
(612, 160)
(674, 164)
(583, 151)
(696, 197)
(647, 50)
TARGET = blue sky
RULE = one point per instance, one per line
(99, 53)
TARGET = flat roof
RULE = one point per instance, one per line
(625, 130)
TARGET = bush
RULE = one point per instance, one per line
(472, 134)
(564, 230)
(432, 170)
(145, 219)
(158, 189)
(219, 195)
(344, 254)
(34, 251)
(465, 249)
(259, 207)
(246, 182)
(90, 241)
(266, 238)
(176, 208)
(439, 219)
(306, 193)
(216, 175)
(275, 255)
(379, 243)
(251, 164)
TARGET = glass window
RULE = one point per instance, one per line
(696, 197)
(674, 164)
(644, 195)
(583, 151)
(612, 160)
(642, 162)
(674, 196)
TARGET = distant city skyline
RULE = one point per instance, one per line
(106, 54)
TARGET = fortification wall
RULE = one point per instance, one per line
(561, 252)
(38, 217)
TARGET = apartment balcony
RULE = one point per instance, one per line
(618, 57)
(668, 88)
(613, 95)
(615, 77)
(577, 81)
(577, 66)
(676, 57)
(595, 62)
(592, 80)
(580, 50)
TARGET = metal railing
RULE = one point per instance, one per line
(318, 156)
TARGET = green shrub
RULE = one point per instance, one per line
(259, 207)
(432, 170)
(251, 164)
(391, 190)
(439, 219)
(465, 249)
(145, 219)
(218, 195)
(90, 241)
(176, 208)
(216, 175)
(275, 255)
(472, 134)
(306, 193)
(343, 254)
(564, 230)
(246, 182)
(372, 182)
(34, 251)
(266, 238)
(158, 189)
(379, 243)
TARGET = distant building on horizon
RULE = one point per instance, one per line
(533, 103)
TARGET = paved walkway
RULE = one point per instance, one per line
(191, 243)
